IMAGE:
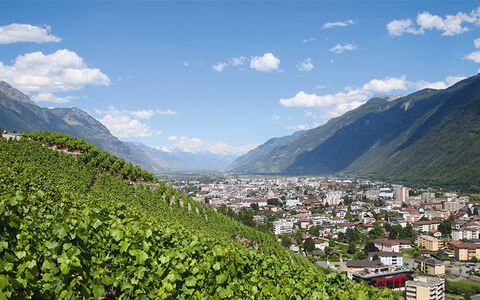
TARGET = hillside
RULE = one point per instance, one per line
(76, 228)
(429, 136)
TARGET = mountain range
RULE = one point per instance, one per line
(432, 136)
(19, 113)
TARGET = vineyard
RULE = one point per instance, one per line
(85, 224)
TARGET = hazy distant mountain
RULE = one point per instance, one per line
(19, 113)
(431, 136)
(177, 159)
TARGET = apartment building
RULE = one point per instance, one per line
(283, 226)
(429, 266)
(467, 251)
(429, 242)
(425, 288)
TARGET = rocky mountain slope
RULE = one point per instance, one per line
(430, 136)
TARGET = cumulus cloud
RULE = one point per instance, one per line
(172, 138)
(275, 117)
(474, 56)
(49, 97)
(305, 65)
(126, 123)
(198, 145)
(337, 24)
(219, 67)
(63, 70)
(449, 25)
(333, 105)
(266, 63)
(439, 85)
(476, 42)
(15, 33)
(338, 48)
(386, 84)
(123, 126)
(235, 61)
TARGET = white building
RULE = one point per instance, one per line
(468, 233)
(388, 258)
(283, 226)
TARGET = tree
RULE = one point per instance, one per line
(352, 235)
(273, 201)
(351, 248)
(445, 227)
(332, 243)
(314, 230)
(348, 216)
(309, 245)
(375, 257)
(376, 232)
(423, 218)
(255, 206)
(370, 247)
(361, 255)
(286, 241)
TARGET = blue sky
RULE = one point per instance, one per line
(225, 76)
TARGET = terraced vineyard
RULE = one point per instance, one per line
(89, 225)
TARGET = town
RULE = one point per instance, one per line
(417, 241)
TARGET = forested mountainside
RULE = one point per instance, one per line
(430, 136)
(75, 225)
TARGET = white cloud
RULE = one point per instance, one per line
(386, 85)
(48, 97)
(196, 145)
(140, 114)
(333, 105)
(338, 48)
(307, 114)
(123, 126)
(338, 24)
(185, 64)
(122, 123)
(172, 138)
(219, 67)
(476, 42)
(147, 114)
(275, 117)
(63, 70)
(266, 63)
(398, 27)
(305, 65)
(305, 41)
(236, 61)
(474, 56)
(439, 85)
(15, 33)
(450, 25)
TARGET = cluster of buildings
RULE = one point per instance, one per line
(333, 207)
